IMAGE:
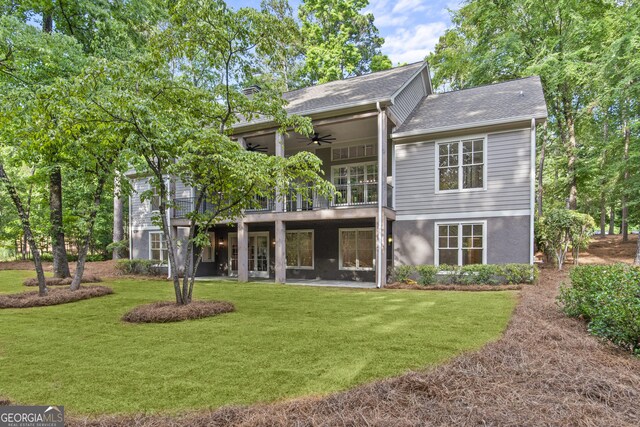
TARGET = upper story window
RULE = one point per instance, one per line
(155, 200)
(461, 165)
(355, 183)
(354, 152)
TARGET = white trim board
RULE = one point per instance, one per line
(464, 215)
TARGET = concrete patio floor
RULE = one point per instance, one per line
(303, 282)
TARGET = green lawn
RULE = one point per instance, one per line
(283, 341)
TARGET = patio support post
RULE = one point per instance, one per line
(279, 202)
(381, 220)
(281, 263)
(243, 252)
(242, 142)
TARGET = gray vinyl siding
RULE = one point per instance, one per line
(507, 240)
(140, 210)
(508, 180)
(141, 216)
(407, 100)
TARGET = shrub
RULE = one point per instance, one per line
(519, 273)
(560, 228)
(143, 267)
(608, 298)
(479, 274)
(426, 274)
(402, 273)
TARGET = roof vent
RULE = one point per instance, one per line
(251, 90)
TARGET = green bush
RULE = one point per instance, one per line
(608, 298)
(143, 267)
(475, 274)
(519, 273)
(402, 273)
(426, 274)
(480, 274)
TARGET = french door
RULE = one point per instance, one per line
(258, 254)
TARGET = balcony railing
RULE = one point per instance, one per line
(302, 199)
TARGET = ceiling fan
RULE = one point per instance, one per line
(256, 148)
(317, 139)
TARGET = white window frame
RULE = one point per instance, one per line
(436, 234)
(354, 144)
(155, 194)
(357, 268)
(212, 243)
(162, 239)
(313, 251)
(460, 141)
(349, 166)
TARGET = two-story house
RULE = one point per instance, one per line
(421, 178)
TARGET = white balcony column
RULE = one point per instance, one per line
(243, 252)
(381, 221)
(242, 142)
(279, 202)
(281, 254)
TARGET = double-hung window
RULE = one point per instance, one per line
(155, 200)
(460, 243)
(299, 247)
(158, 247)
(461, 164)
(357, 248)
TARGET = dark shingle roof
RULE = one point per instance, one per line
(517, 99)
(368, 88)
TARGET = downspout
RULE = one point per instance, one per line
(168, 213)
(532, 189)
(130, 230)
(379, 229)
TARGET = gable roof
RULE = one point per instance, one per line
(373, 87)
(510, 101)
(380, 86)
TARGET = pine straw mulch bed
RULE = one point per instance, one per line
(546, 370)
(54, 297)
(55, 281)
(400, 285)
(163, 312)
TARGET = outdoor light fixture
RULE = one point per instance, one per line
(221, 243)
(390, 240)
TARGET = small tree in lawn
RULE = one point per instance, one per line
(175, 107)
(563, 228)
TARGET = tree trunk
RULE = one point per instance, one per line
(541, 169)
(612, 221)
(624, 226)
(82, 252)
(603, 215)
(60, 263)
(26, 228)
(637, 260)
(118, 218)
(571, 165)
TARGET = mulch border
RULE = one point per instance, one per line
(472, 288)
(56, 281)
(165, 311)
(55, 296)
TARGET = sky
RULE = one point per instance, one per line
(411, 28)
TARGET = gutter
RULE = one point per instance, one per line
(466, 126)
(380, 237)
